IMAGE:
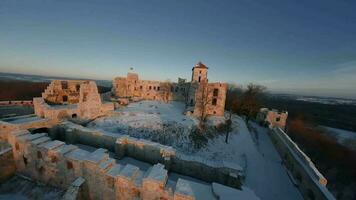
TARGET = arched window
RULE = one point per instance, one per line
(65, 98)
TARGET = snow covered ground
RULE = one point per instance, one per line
(157, 121)
(344, 137)
(254, 151)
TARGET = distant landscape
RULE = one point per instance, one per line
(332, 112)
(25, 87)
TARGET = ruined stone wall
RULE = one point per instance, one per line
(119, 87)
(152, 152)
(58, 164)
(277, 119)
(89, 101)
(88, 106)
(210, 98)
(132, 87)
(63, 91)
(272, 118)
(7, 127)
(199, 74)
(42, 109)
(310, 182)
(7, 164)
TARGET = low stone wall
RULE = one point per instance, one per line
(7, 164)
(310, 181)
(84, 110)
(151, 152)
(75, 191)
(225, 173)
(19, 123)
(60, 165)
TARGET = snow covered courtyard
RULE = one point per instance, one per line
(252, 150)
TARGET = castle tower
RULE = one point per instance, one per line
(199, 73)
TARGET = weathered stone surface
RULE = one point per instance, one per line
(7, 163)
(272, 118)
(78, 99)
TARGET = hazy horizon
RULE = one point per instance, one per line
(296, 47)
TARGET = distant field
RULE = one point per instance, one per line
(11, 111)
(333, 115)
(26, 90)
(20, 90)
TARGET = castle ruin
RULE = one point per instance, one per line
(272, 118)
(201, 97)
(71, 99)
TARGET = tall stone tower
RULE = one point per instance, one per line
(199, 73)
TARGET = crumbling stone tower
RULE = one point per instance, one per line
(199, 73)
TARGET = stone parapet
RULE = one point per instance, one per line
(309, 180)
(151, 152)
(66, 166)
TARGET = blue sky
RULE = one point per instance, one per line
(296, 46)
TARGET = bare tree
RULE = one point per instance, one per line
(252, 100)
(233, 101)
(203, 99)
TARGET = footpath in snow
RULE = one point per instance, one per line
(254, 151)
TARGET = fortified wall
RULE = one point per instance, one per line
(96, 175)
(306, 176)
(151, 152)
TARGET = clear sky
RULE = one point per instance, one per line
(297, 46)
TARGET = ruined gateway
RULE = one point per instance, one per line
(43, 146)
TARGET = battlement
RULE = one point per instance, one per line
(61, 165)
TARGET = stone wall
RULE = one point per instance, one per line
(7, 164)
(210, 97)
(87, 106)
(309, 180)
(63, 91)
(272, 118)
(23, 122)
(132, 87)
(59, 164)
(151, 152)
(75, 190)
